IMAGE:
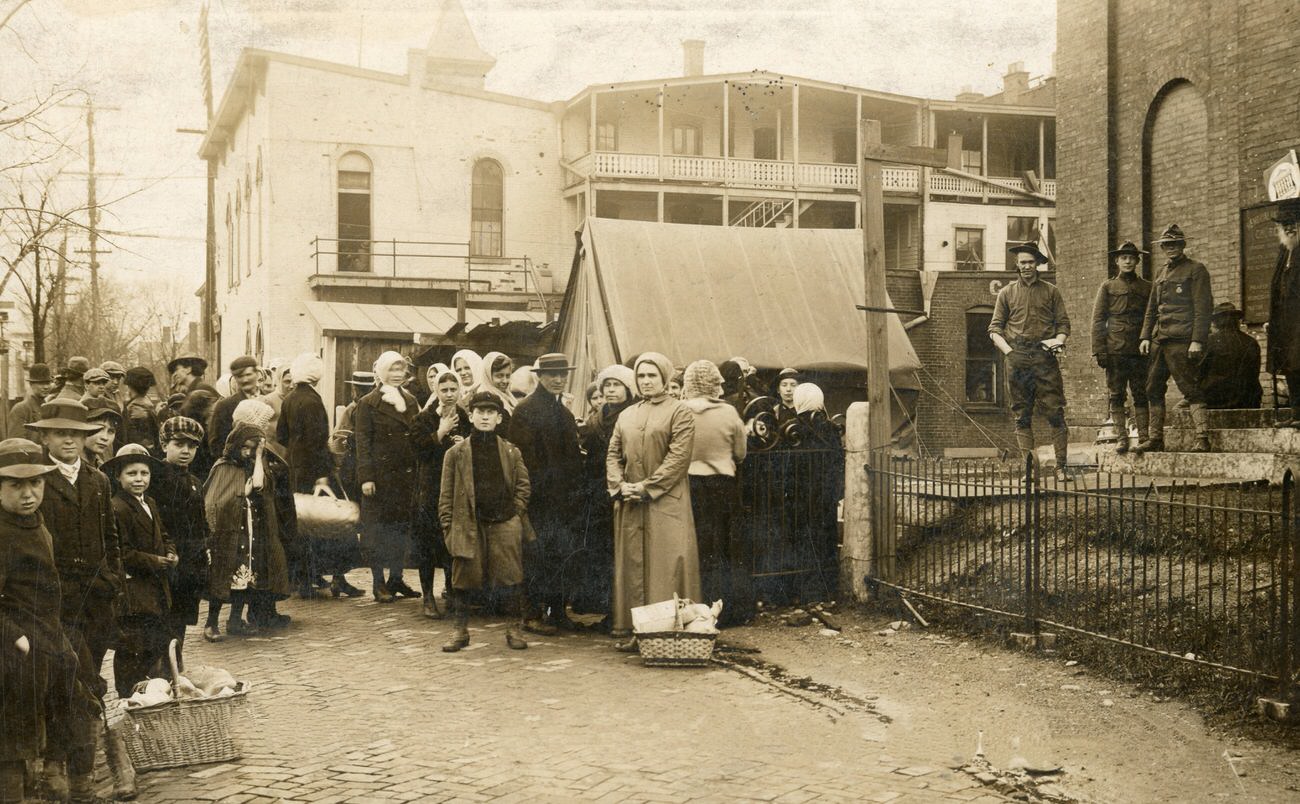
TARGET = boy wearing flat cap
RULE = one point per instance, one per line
(1284, 309)
(1174, 331)
(1116, 329)
(1029, 326)
(483, 508)
(179, 496)
(37, 664)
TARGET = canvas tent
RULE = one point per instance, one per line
(778, 297)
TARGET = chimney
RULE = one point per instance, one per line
(692, 57)
(1015, 83)
(968, 95)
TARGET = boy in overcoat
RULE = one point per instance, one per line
(148, 557)
(483, 507)
(179, 496)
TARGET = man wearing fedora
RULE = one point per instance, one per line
(1029, 326)
(77, 511)
(547, 436)
(186, 373)
(1116, 329)
(1174, 332)
(1229, 374)
(1284, 309)
(74, 382)
(28, 409)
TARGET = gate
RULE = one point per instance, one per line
(1204, 574)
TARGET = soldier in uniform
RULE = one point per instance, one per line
(1229, 374)
(1029, 326)
(1174, 332)
(1284, 309)
(1116, 329)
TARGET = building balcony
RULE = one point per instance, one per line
(782, 175)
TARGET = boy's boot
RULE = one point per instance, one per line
(514, 632)
(55, 780)
(1118, 417)
(429, 608)
(460, 632)
(1155, 440)
(119, 762)
(1201, 421)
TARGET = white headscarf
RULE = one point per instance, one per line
(483, 381)
(390, 393)
(472, 359)
(306, 367)
(434, 377)
(620, 373)
(808, 397)
(523, 381)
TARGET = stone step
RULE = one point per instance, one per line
(1284, 441)
(1228, 466)
(1228, 419)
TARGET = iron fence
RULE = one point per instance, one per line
(1203, 573)
(789, 504)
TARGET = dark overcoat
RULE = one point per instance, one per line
(86, 549)
(146, 590)
(140, 424)
(180, 502)
(1284, 317)
(304, 430)
(430, 452)
(222, 421)
(227, 509)
(456, 505)
(385, 457)
(1229, 374)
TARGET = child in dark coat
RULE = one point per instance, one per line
(148, 557)
(179, 495)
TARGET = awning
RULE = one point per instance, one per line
(404, 320)
(777, 297)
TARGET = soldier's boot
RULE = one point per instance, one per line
(514, 632)
(1061, 449)
(1201, 422)
(119, 763)
(1155, 440)
(1141, 420)
(1024, 443)
(1117, 416)
(55, 780)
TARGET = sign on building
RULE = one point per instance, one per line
(1283, 178)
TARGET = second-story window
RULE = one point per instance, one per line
(354, 212)
(687, 139)
(969, 246)
(487, 210)
(606, 136)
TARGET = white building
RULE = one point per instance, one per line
(359, 210)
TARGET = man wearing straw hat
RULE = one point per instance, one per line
(1116, 328)
(77, 511)
(1174, 331)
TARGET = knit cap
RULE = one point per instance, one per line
(254, 413)
(701, 379)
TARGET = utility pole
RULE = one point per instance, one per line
(92, 209)
(60, 300)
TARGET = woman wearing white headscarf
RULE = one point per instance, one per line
(720, 446)
(655, 554)
(386, 469)
(494, 378)
(466, 364)
(438, 427)
(813, 428)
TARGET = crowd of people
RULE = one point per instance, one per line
(123, 510)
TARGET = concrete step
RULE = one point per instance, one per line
(1228, 419)
(1257, 439)
(1228, 466)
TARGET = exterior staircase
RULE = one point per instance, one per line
(774, 212)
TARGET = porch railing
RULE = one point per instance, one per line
(423, 259)
(740, 172)
(1201, 574)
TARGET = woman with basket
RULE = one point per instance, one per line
(655, 554)
(304, 430)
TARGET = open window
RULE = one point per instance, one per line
(984, 381)
(487, 210)
(968, 244)
(354, 212)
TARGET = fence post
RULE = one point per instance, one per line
(1031, 543)
(857, 553)
(1290, 601)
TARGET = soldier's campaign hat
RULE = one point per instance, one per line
(179, 428)
(65, 414)
(96, 375)
(1030, 249)
(196, 364)
(21, 459)
(1287, 211)
(1173, 233)
(127, 455)
(1128, 247)
(485, 399)
(365, 379)
(113, 369)
(101, 409)
(1226, 308)
(39, 372)
(555, 361)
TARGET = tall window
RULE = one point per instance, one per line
(487, 210)
(1020, 230)
(354, 212)
(983, 363)
(606, 136)
(969, 245)
(248, 226)
(260, 209)
(972, 161)
(238, 256)
(765, 143)
(687, 139)
(230, 248)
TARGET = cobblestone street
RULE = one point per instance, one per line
(356, 702)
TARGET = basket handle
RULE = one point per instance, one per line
(677, 613)
(325, 491)
(175, 665)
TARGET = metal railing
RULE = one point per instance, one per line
(424, 259)
(1204, 574)
(789, 506)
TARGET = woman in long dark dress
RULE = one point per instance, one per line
(438, 427)
(386, 465)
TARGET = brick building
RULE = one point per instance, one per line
(1170, 112)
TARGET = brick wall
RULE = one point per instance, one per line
(1168, 112)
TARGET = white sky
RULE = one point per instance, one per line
(141, 56)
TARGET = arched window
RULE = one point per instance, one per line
(487, 210)
(354, 212)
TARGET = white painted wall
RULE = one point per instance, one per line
(942, 218)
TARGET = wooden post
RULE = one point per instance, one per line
(873, 264)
